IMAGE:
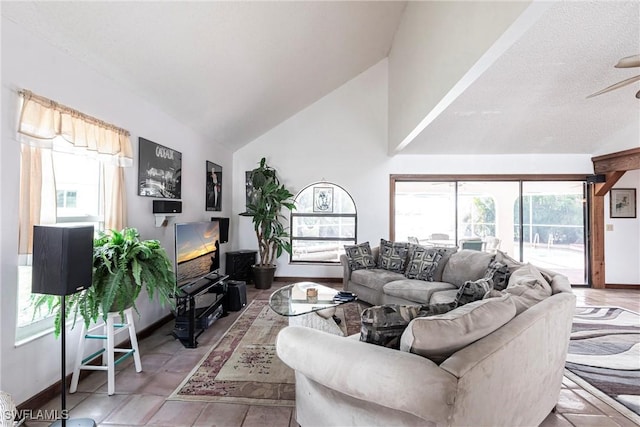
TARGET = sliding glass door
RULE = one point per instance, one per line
(537, 221)
(553, 227)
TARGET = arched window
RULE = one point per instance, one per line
(324, 221)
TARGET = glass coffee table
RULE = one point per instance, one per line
(306, 307)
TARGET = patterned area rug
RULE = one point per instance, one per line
(243, 366)
(604, 356)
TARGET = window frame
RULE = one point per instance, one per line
(295, 214)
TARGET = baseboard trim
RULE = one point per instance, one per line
(309, 279)
(53, 390)
(621, 286)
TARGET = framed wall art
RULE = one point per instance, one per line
(323, 199)
(249, 190)
(159, 170)
(622, 203)
(214, 187)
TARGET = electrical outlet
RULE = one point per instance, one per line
(609, 227)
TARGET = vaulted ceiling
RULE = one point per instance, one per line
(233, 70)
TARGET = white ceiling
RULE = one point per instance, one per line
(533, 98)
(233, 70)
(229, 70)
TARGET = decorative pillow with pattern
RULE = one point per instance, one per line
(393, 255)
(384, 324)
(473, 291)
(359, 256)
(499, 273)
(423, 263)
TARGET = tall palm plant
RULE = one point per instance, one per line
(265, 208)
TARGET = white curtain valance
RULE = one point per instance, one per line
(42, 120)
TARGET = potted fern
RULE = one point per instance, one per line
(265, 208)
(122, 265)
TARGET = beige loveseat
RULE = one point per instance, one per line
(509, 377)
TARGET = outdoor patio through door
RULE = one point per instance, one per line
(539, 220)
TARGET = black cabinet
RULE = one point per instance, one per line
(239, 264)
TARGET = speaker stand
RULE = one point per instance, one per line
(64, 422)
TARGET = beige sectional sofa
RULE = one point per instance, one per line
(494, 362)
(379, 286)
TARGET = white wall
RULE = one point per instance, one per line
(342, 138)
(621, 248)
(33, 64)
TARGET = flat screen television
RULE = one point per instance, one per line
(197, 250)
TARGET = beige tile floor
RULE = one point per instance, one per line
(140, 397)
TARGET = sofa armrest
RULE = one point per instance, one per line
(386, 377)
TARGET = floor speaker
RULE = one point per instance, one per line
(236, 295)
(62, 259)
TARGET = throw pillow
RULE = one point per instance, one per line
(384, 324)
(473, 291)
(359, 256)
(438, 337)
(423, 263)
(393, 255)
(499, 273)
(528, 287)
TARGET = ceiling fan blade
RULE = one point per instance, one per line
(629, 61)
(638, 94)
(615, 86)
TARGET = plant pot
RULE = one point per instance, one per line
(263, 276)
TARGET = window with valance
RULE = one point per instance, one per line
(71, 171)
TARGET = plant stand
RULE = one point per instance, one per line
(111, 329)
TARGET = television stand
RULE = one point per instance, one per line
(198, 305)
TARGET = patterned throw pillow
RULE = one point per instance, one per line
(473, 291)
(393, 255)
(359, 256)
(499, 273)
(423, 263)
(384, 324)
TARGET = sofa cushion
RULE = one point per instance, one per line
(359, 256)
(442, 297)
(423, 263)
(528, 287)
(393, 255)
(446, 254)
(464, 265)
(438, 337)
(383, 324)
(375, 278)
(415, 290)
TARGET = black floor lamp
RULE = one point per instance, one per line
(62, 265)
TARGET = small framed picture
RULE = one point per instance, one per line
(622, 202)
(323, 199)
(214, 187)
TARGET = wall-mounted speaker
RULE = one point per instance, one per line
(223, 227)
(62, 259)
(167, 206)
